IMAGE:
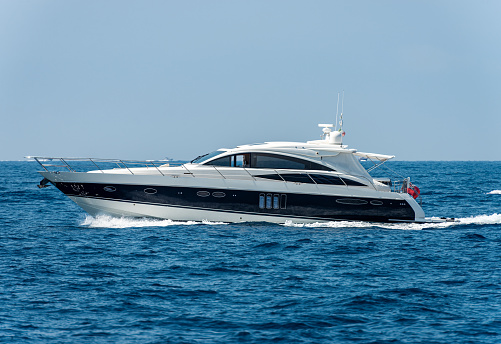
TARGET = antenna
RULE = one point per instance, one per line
(341, 117)
(337, 110)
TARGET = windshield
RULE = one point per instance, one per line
(201, 158)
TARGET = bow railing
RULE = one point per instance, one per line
(51, 164)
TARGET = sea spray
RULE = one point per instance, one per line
(105, 221)
(475, 220)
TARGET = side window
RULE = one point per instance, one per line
(283, 201)
(200, 159)
(352, 182)
(268, 201)
(297, 178)
(241, 160)
(266, 160)
(270, 176)
(225, 161)
(261, 201)
(276, 202)
(272, 201)
(325, 179)
(275, 161)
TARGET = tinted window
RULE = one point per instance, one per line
(325, 179)
(264, 160)
(205, 157)
(268, 201)
(276, 203)
(261, 201)
(352, 182)
(283, 202)
(297, 178)
(271, 176)
(241, 160)
(225, 161)
(271, 161)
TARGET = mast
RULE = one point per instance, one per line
(337, 110)
(341, 117)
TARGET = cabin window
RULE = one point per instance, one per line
(241, 160)
(275, 161)
(268, 201)
(224, 161)
(270, 176)
(297, 178)
(276, 200)
(260, 160)
(325, 179)
(352, 182)
(290, 177)
(266, 160)
(200, 159)
(261, 201)
(272, 201)
(283, 201)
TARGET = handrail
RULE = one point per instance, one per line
(96, 165)
(280, 175)
(397, 186)
(250, 174)
(157, 169)
(69, 164)
(69, 167)
(189, 172)
(218, 171)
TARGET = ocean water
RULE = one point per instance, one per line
(67, 277)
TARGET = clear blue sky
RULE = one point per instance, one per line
(156, 79)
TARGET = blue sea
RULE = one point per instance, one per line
(68, 277)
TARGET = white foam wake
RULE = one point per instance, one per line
(104, 221)
(493, 219)
(494, 192)
(473, 220)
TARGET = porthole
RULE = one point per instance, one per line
(283, 201)
(261, 201)
(376, 202)
(268, 201)
(150, 191)
(276, 204)
(218, 194)
(110, 189)
(351, 201)
(203, 193)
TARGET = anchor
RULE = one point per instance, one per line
(43, 183)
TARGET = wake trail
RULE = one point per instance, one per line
(473, 220)
(104, 221)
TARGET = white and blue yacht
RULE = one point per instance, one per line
(304, 182)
